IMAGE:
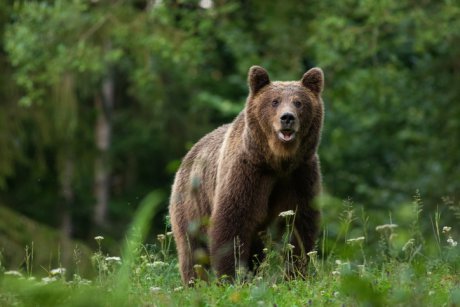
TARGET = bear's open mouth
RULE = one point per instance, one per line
(286, 135)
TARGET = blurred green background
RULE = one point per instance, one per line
(100, 99)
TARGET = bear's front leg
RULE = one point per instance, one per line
(307, 218)
(306, 226)
(239, 209)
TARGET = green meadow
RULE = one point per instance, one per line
(356, 263)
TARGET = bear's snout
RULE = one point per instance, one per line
(288, 129)
(287, 120)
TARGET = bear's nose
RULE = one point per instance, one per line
(287, 119)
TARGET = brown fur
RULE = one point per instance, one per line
(236, 180)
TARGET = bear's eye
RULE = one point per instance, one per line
(297, 103)
(275, 103)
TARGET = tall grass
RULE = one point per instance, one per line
(356, 263)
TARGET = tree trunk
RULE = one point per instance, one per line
(68, 199)
(104, 106)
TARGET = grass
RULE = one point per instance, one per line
(357, 264)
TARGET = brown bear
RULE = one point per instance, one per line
(236, 180)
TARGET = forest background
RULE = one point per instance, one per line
(100, 100)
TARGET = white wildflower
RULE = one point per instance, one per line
(99, 238)
(169, 233)
(265, 250)
(312, 254)
(335, 273)
(178, 289)
(161, 237)
(446, 229)
(336, 294)
(58, 271)
(286, 213)
(155, 289)
(13, 273)
(355, 240)
(430, 293)
(385, 227)
(338, 262)
(114, 259)
(451, 242)
(197, 266)
(157, 264)
(290, 247)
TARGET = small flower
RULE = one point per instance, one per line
(286, 213)
(157, 264)
(429, 273)
(335, 273)
(114, 259)
(161, 237)
(169, 233)
(155, 289)
(357, 240)
(430, 293)
(290, 247)
(312, 254)
(13, 273)
(274, 286)
(451, 242)
(446, 229)
(99, 238)
(336, 294)
(338, 262)
(58, 271)
(197, 266)
(178, 289)
(385, 227)
(265, 250)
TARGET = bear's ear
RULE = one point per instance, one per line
(257, 79)
(314, 80)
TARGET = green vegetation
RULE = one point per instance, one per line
(379, 268)
(99, 101)
(23, 239)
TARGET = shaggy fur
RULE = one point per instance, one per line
(237, 179)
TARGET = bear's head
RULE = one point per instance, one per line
(286, 117)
